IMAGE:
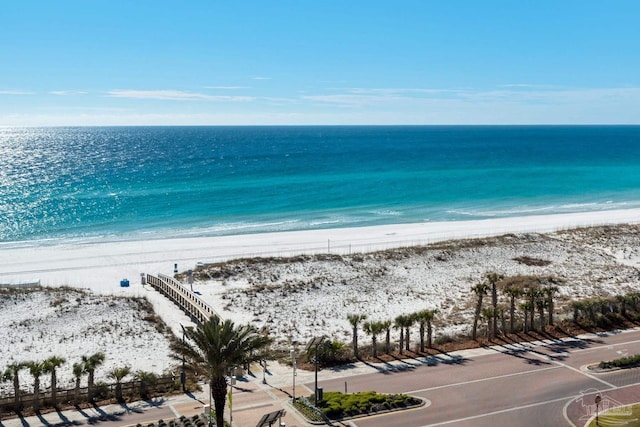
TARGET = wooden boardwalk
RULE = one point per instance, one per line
(191, 303)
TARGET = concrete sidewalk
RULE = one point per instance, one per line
(252, 398)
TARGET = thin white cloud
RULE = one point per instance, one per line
(67, 92)
(226, 87)
(173, 95)
(261, 78)
(16, 92)
(361, 97)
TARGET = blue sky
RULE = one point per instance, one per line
(117, 62)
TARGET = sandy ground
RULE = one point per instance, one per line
(305, 296)
(374, 270)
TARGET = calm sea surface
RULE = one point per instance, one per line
(149, 182)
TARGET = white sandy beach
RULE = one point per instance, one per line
(425, 282)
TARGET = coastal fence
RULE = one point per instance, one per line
(131, 390)
(182, 296)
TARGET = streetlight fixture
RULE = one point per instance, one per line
(263, 363)
(232, 382)
(293, 363)
(315, 342)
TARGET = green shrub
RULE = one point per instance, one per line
(337, 405)
(623, 362)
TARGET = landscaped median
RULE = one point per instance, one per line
(626, 362)
(337, 406)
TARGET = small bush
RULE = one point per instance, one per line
(623, 362)
(336, 405)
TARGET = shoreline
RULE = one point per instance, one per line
(100, 266)
(292, 299)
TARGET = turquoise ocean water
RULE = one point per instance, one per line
(77, 184)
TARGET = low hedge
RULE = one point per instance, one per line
(336, 405)
(623, 362)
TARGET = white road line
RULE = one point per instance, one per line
(174, 411)
(608, 384)
(502, 411)
(482, 380)
(564, 365)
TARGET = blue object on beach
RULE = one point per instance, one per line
(124, 283)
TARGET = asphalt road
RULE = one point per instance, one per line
(514, 385)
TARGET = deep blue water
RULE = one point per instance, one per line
(147, 182)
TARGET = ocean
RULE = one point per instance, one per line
(129, 183)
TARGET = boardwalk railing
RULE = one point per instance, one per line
(183, 296)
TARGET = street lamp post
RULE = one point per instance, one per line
(315, 342)
(293, 363)
(264, 371)
(232, 382)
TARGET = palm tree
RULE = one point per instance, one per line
(78, 371)
(53, 363)
(541, 304)
(532, 293)
(623, 300)
(147, 379)
(354, 320)
(13, 373)
(425, 318)
(411, 319)
(118, 374)
(525, 307)
(489, 314)
(387, 337)
(373, 329)
(90, 364)
(430, 315)
(513, 291)
(403, 323)
(481, 290)
(214, 348)
(36, 369)
(550, 291)
(493, 279)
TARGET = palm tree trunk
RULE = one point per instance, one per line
(477, 317)
(119, 392)
(16, 393)
(512, 313)
(355, 341)
(532, 312)
(36, 394)
(422, 337)
(387, 344)
(90, 387)
(406, 339)
(374, 346)
(54, 388)
(219, 396)
(494, 306)
(429, 334)
(401, 340)
(77, 393)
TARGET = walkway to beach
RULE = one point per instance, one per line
(185, 298)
